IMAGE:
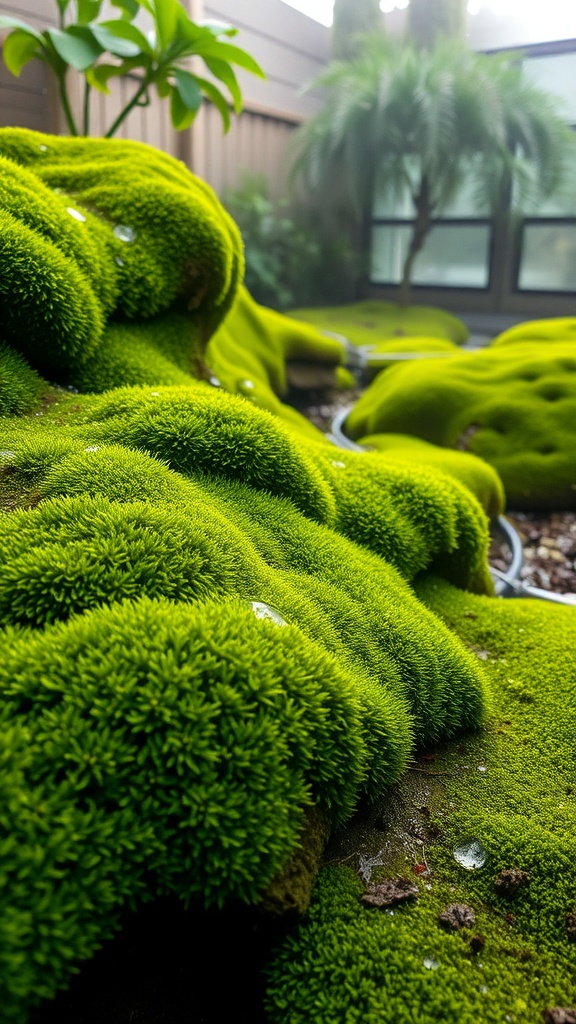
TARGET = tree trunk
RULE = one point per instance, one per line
(430, 19)
(353, 19)
(420, 231)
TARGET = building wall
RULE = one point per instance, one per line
(291, 48)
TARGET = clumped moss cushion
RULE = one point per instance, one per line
(477, 475)
(557, 329)
(370, 321)
(20, 386)
(106, 228)
(513, 406)
(157, 748)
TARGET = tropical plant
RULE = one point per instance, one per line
(159, 58)
(352, 20)
(428, 21)
(399, 120)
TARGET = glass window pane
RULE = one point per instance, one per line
(556, 73)
(388, 206)
(548, 260)
(454, 255)
(563, 202)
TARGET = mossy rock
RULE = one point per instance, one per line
(514, 407)
(557, 329)
(365, 323)
(477, 475)
(108, 229)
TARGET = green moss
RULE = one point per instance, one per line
(513, 407)
(175, 246)
(370, 321)
(558, 329)
(348, 962)
(477, 475)
(20, 386)
(200, 430)
(412, 516)
(153, 748)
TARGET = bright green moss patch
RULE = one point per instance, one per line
(106, 229)
(514, 407)
(20, 386)
(153, 748)
(558, 329)
(477, 475)
(367, 322)
(351, 963)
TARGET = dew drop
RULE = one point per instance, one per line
(76, 214)
(481, 768)
(265, 611)
(248, 384)
(119, 261)
(43, 148)
(92, 448)
(470, 855)
(214, 381)
(483, 989)
(430, 963)
(155, 394)
(338, 465)
(124, 233)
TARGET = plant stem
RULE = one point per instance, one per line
(420, 231)
(86, 112)
(66, 105)
(146, 82)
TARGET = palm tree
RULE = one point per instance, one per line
(352, 20)
(400, 119)
(428, 21)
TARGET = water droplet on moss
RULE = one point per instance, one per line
(125, 233)
(265, 611)
(76, 214)
(92, 448)
(214, 381)
(338, 465)
(430, 963)
(119, 261)
(470, 855)
(43, 148)
(249, 384)
(481, 768)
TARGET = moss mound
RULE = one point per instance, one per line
(513, 407)
(108, 229)
(477, 475)
(20, 386)
(154, 747)
(353, 963)
(370, 321)
(562, 329)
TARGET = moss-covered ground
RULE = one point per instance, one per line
(513, 788)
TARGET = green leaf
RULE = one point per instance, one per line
(7, 22)
(125, 30)
(76, 46)
(219, 28)
(63, 6)
(130, 8)
(99, 76)
(163, 87)
(182, 116)
(188, 88)
(165, 16)
(231, 54)
(220, 69)
(88, 10)
(19, 48)
(219, 101)
(114, 44)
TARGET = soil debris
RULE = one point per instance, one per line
(477, 943)
(560, 1015)
(457, 916)
(570, 920)
(389, 892)
(509, 881)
